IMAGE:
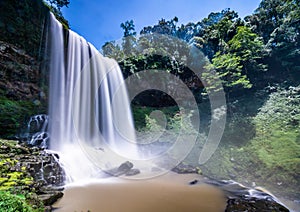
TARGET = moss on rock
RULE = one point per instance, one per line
(22, 171)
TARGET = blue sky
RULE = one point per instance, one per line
(99, 20)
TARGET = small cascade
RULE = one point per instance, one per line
(36, 133)
(83, 112)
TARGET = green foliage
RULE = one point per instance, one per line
(22, 24)
(163, 27)
(129, 39)
(55, 7)
(240, 62)
(278, 134)
(278, 22)
(14, 203)
(142, 118)
(246, 44)
(215, 32)
(113, 50)
(10, 117)
(282, 110)
(235, 51)
(263, 148)
(13, 114)
(239, 130)
(229, 69)
(240, 51)
(277, 142)
(171, 121)
(59, 3)
(16, 179)
(129, 28)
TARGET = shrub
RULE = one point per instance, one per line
(13, 203)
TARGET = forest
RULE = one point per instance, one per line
(257, 60)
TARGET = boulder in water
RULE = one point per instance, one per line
(125, 168)
(183, 168)
(253, 204)
(132, 172)
(241, 198)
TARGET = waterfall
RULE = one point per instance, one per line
(88, 103)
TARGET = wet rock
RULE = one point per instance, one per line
(132, 172)
(193, 182)
(35, 170)
(50, 198)
(124, 169)
(253, 205)
(186, 169)
(242, 198)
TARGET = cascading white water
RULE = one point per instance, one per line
(82, 112)
(36, 132)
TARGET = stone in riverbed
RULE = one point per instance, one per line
(253, 204)
(241, 198)
(50, 198)
(132, 172)
(183, 168)
(124, 169)
(193, 182)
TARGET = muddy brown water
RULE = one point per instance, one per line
(168, 193)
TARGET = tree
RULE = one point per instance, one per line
(112, 50)
(59, 3)
(129, 28)
(278, 22)
(163, 27)
(129, 39)
(55, 7)
(267, 17)
(230, 69)
(215, 31)
(240, 64)
(249, 47)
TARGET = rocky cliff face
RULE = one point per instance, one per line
(20, 75)
(22, 89)
(23, 81)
